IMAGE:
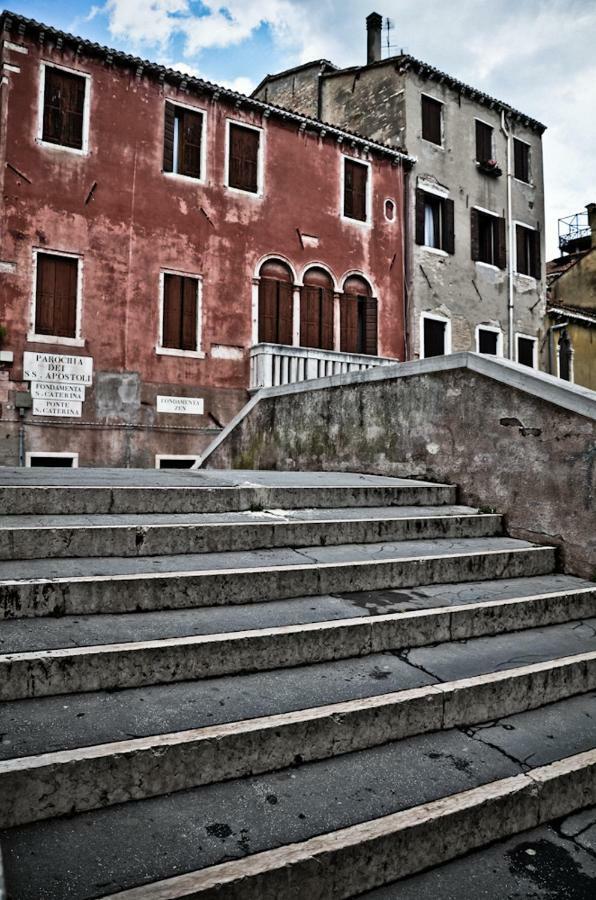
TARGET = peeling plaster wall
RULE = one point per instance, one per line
(525, 457)
(138, 221)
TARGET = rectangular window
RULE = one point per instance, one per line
(521, 158)
(435, 221)
(60, 460)
(180, 312)
(488, 340)
(527, 242)
(243, 158)
(488, 238)
(56, 295)
(355, 188)
(435, 337)
(358, 324)
(183, 134)
(63, 108)
(484, 141)
(526, 351)
(175, 462)
(432, 113)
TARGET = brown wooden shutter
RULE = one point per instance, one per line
(285, 318)
(310, 316)
(188, 336)
(420, 200)
(501, 260)
(484, 141)
(521, 156)
(348, 323)
(191, 126)
(44, 296)
(168, 138)
(355, 178)
(326, 301)
(56, 295)
(431, 120)
(172, 311)
(520, 244)
(448, 226)
(474, 234)
(244, 157)
(370, 327)
(64, 104)
(268, 311)
(536, 254)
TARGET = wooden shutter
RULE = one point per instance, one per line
(168, 138)
(268, 311)
(56, 295)
(420, 201)
(191, 126)
(521, 255)
(501, 260)
(370, 326)
(244, 158)
(309, 316)
(521, 156)
(474, 234)
(285, 316)
(326, 301)
(484, 141)
(355, 178)
(535, 245)
(188, 336)
(448, 243)
(172, 311)
(348, 323)
(431, 120)
(64, 105)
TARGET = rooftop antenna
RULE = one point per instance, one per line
(389, 24)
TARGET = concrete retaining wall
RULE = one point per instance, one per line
(513, 439)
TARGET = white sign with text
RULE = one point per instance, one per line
(47, 390)
(68, 408)
(57, 368)
(190, 406)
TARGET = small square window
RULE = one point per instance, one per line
(521, 158)
(63, 108)
(488, 341)
(355, 190)
(526, 351)
(432, 114)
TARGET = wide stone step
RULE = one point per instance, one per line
(195, 734)
(329, 828)
(113, 491)
(38, 537)
(109, 585)
(115, 664)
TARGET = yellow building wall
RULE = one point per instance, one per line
(577, 287)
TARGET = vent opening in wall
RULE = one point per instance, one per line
(61, 460)
(389, 210)
(175, 462)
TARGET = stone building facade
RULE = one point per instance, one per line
(156, 229)
(475, 200)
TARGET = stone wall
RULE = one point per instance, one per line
(514, 440)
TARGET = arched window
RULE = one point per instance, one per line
(316, 310)
(275, 303)
(358, 319)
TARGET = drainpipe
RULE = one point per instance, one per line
(507, 132)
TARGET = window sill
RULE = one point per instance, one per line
(48, 145)
(433, 144)
(490, 266)
(177, 176)
(361, 223)
(528, 184)
(436, 250)
(54, 339)
(526, 279)
(255, 195)
(172, 351)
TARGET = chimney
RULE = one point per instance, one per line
(374, 28)
(591, 207)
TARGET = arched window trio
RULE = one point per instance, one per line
(358, 321)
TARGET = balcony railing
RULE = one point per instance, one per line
(272, 365)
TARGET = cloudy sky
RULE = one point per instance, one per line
(537, 55)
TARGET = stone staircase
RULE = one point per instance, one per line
(261, 685)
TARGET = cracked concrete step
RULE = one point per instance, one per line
(329, 828)
(73, 586)
(104, 666)
(153, 497)
(37, 537)
(556, 860)
(104, 748)
(81, 779)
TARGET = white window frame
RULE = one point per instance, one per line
(84, 150)
(487, 212)
(385, 202)
(440, 146)
(530, 278)
(442, 195)
(530, 182)
(260, 160)
(527, 337)
(496, 330)
(160, 350)
(435, 318)
(161, 456)
(51, 455)
(32, 336)
(342, 184)
(203, 112)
